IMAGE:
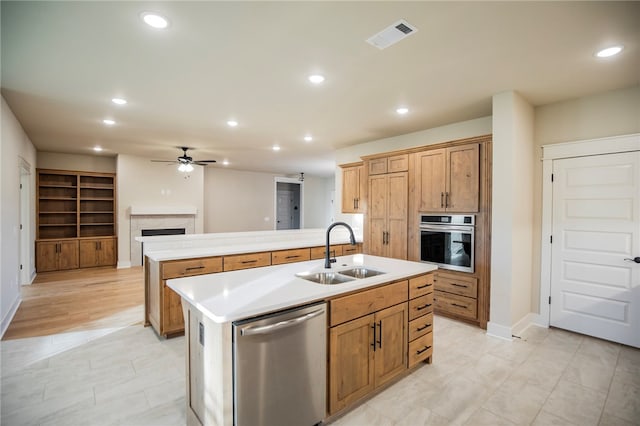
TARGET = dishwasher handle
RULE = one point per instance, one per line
(271, 328)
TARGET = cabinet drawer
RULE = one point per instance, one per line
(187, 268)
(365, 302)
(420, 326)
(318, 252)
(419, 286)
(463, 286)
(420, 306)
(458, 305)
(246, 261)
(289, 256)
(420, 349)
(348, 249)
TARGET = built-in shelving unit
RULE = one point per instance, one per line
(74, 205)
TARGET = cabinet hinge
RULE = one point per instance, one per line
(549, 299)
(551, 177)
(21, 267)
(20, 186)
(550, 239)
(21, 227)
(201, 333)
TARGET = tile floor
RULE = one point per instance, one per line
(129, 376)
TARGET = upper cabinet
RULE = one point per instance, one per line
(447, 179)
(396, 163)
(353, 188)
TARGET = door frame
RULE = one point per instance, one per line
(295, 181)
(550, 153)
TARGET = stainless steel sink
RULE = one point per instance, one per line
(361, 272)
(325, 277)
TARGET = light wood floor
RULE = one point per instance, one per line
(80, 299)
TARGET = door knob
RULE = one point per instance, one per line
(635, 259)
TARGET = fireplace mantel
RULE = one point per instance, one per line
(162, 210)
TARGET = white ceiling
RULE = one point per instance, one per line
(62, 62)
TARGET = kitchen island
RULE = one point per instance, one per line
(176, 256)
(398, 301)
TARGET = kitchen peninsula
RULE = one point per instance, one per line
(176, 256)
(393, 303)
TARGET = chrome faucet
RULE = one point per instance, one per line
(327, 256)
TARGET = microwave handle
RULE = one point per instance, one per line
(440, 228)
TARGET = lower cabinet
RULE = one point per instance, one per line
(97, 252)
(368, 351)
(456, 294)
(56, 255)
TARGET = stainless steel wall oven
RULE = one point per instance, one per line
(448, 241)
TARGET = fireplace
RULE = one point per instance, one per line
(149, 221)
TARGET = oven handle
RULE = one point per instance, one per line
(441, 228)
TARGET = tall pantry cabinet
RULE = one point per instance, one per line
(75, 220)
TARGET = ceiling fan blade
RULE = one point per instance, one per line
(164, 161)
(206, 161)
(203, 163)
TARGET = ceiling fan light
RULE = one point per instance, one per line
(188, 167)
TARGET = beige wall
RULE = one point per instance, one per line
(85, 163)
(512, 212)
(604, 114)
(142, 183)
(16, 150)
(244, 201)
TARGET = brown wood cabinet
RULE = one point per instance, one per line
(79, 205)
(289, 256)
(370, 348)
(456, 295)
(392, 164)
(97, 252)
(447, 179)
(353, 188)
(387, 215)
(56, 255)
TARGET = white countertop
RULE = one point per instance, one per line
(174, 247)
(231, 296)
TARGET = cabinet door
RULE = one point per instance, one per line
(68, 255)
(463, 178)
(351, 362)
(397, 205)
(107, 252)
(377, 215)
(391, 343)
(430, 180)
(47, 256)
(172, 317)
(351, 181)
(89, 253)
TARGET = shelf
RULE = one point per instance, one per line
(46, 185)
(96, 187)
(97, 212)
(57, 224)
(95, 199)
(58, 212)
(58, 198)
(97, 224)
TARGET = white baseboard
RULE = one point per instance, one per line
(499, 331)
(12, 312)
(34, 274)
(526, 322)
(124, 264)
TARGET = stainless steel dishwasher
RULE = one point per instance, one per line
(279, 368)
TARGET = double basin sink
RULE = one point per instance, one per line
(339, 277)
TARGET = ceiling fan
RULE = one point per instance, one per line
(185, 162)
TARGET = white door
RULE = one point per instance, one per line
(284, 219)
(595, 286)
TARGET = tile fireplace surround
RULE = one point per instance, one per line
(157, 218)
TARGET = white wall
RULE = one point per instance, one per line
(605, 114)
(512, 212)
(16, 147)
(85, 163)
(244, 201)
(145, 184)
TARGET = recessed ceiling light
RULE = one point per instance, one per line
(402, 110)
(108, 122)
(119, 101)
(154, 20)
(225, 162)
(276, 148)
(316, 78)
(609, 51)
(97, 148)
(232, 123)
(308, 138)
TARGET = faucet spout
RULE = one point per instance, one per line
(327, 255)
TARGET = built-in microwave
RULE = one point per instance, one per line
(448, 241)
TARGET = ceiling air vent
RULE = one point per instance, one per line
(392, 34)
